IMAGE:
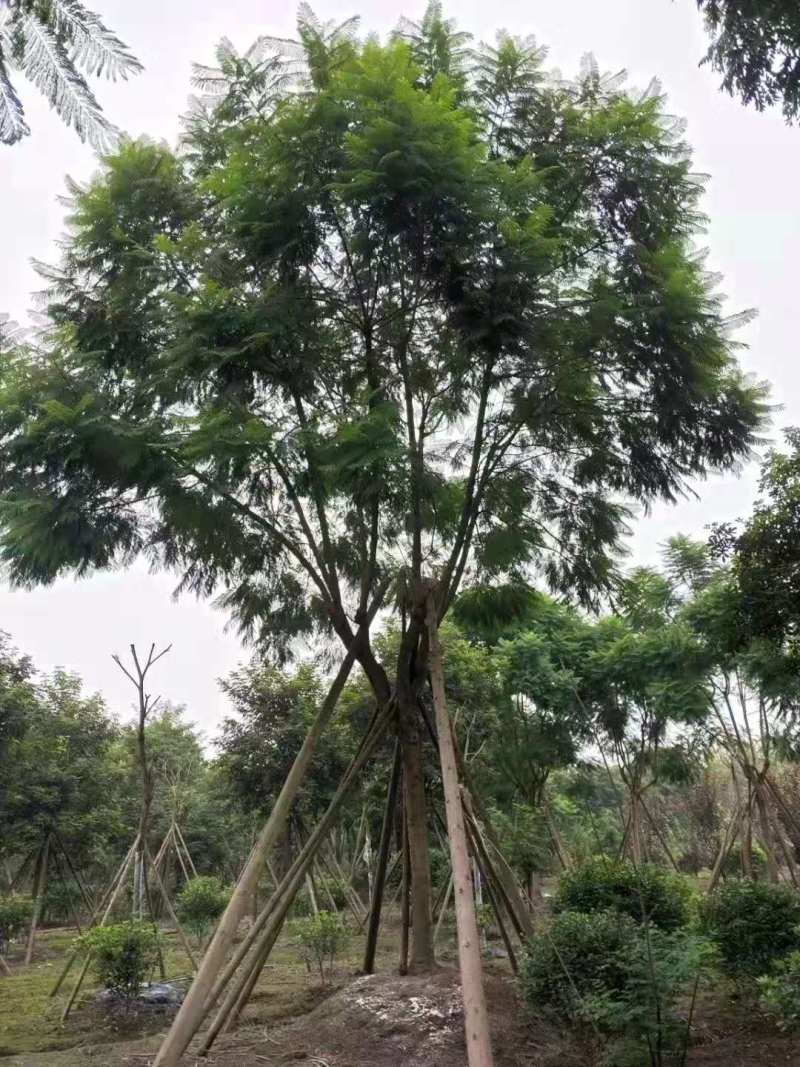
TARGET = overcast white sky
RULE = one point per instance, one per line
(754, 238)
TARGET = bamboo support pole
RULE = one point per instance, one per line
(120, 874)
(476, 1016)
(191, 1012)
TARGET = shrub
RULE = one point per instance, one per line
(645, 893)
(732, 867)
(780, 991)
(577, 955)
(15, 914)
(61, 901)
(320, 937)
(122, 955)
(646, 1020)
(329, 887)
(200, 903)
(752, 924)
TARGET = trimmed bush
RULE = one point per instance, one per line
(576, 956)
(122, 955)
(15, 914)
(200, 903)
(780, 991)
(645, 893)
(753, 924)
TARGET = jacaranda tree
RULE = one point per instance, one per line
(407, 314)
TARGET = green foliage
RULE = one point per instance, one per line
(60, 773)
(734, 868)
(524, 839)
(122, 955)
(499, 259)
(756, 48)
(646, 893)
(55, 44)
(780, 991)
(200, 903)
(15, 914)
(752, 924)
(61, 901)
(646, 1019)
(331, 888)
(577, 955)
(320, 939)
(274, 711)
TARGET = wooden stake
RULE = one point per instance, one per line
(293, 878)
(277, 908)
(191, 1012)
(120, 874)
(476, 1016)
(109, 908)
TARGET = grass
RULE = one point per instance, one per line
(32, 1034)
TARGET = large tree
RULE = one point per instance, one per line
(55, 44)
(401, 316)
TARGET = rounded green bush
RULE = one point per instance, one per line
(122, 955)
(752, 924)
(200, 903)
(576, 955)
(645, 893)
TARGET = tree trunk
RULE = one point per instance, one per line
(379, 883)
(421, 957)
(39, 884)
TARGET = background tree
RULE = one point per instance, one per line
(755, 45)
(374, 335)
(56, 44)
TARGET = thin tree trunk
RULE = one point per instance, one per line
(379, 883)
(405, 902)
(445, 906)
(476, 1016)
(40, 881)
(766, 837)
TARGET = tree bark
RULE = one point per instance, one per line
(421, 957)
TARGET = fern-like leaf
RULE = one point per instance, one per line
(13, 126)
(93, 47)
(46, 63)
